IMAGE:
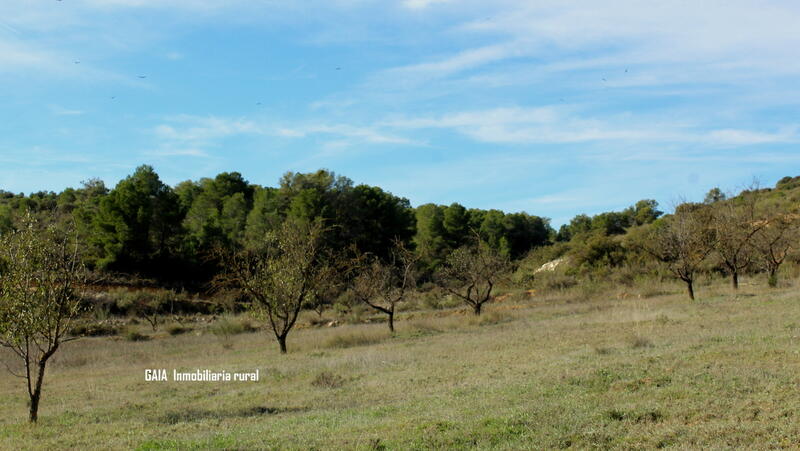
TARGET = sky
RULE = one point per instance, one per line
(551, 107)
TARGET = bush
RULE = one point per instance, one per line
(134, 335)
(326, 379)
(94, 330)
(177, 329)
(526, 274)
(549, 282)
(228, 326)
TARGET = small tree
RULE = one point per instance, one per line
(331, 285)
(39, 273)
(149, 306)
(383, 286)
(773, 242)
(280, 275)
(471, 272)
(734, 223)
(681, 242)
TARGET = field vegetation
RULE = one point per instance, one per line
(640, 367)
(633, 329)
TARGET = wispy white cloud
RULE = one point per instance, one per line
(201, 132)
(734, 137)
(194, 129)
(560, 125)
(364, 134)
(61, 111)
(665, 43)
(422, 4)
(15, 54)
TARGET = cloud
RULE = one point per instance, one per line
(15, 54)
(422, 4)
(463, 60)
(364, 134)
(202, 132)
(530, 125)
(196, 129)
(666, 43)
(735, 137)
(61, 111)
(563, 125)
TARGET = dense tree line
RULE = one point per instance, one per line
(143, 226)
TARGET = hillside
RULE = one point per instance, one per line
(617, 370)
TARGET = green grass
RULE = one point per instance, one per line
(646, 373)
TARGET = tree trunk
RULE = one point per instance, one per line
(690, 289)
(33, 415)
(773, 277)
(282, 343)
(34, 412)
(477, 308)
(391, 321)
(735, 280)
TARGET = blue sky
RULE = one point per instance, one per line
(552, 107)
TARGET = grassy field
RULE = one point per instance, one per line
(613, 372)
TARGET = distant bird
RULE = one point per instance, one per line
(626, 71)
(142, 76)
(258, 103)
(112, 97)
(76, 62)
(604, 79)
(338, 68)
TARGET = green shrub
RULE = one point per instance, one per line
(135, 335)
(227, 326)
(549, 282)
(94, 330)
(177, 329)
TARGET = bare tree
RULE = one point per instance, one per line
(773, 242)
(471, 272)
(281, 275)
(734, 223)
(383, 286)
(681, 242)
(39, 274)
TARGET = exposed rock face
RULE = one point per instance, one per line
(551, 265)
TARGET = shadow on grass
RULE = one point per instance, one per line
(192, 415)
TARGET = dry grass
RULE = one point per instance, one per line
(718, 373)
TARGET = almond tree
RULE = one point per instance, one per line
(681, 242)
(471, 272)
(734, 224)
(383, 286)
(776, 237)
(39, 274)
(280, 274)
